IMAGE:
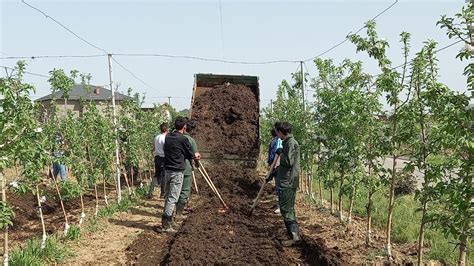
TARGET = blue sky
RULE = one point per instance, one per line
(252, 31)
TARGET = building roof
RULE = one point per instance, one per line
(91, 92)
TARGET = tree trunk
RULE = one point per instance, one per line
(83, 214)
(351, 203)
(368, 237)
(105, 193)
(66, 225)
(96, 200)
(339, 204)
(132, 171)
(331, 199)
(421, 234)
(124, 171)
(40, 210)
(321, 192)
(5, 232)
(463, 245)
(388, 245)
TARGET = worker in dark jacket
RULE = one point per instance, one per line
(287, 180)
(177, 149)
(188, 171)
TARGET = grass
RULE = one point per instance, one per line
(94, 225)
(74, 233)
(125, 204)
(55, 251)
(406, 220)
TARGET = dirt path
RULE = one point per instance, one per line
(208, 236)
(106, 242)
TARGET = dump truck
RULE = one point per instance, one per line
(226, 110)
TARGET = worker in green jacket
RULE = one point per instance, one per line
(287, 180)
(188, 171)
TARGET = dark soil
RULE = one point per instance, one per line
(227, 121)
(27, 224)
(211, 237)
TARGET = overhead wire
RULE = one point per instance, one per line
(87, 42)
(205, 59)
(190, 56)
(64, 27)
(357, 31)
(436, 51)
(52, 56)
(27, 72)
(131, 73)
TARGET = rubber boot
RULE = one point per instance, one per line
(288, 230)
(295, 236)
(166, 223)
(179, 212)
(173, 223)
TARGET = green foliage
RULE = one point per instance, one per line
(406, 225)
(20, 188)
(6, 215)
(71, 190)
(17, 115)
(73, 233)
(94, 225)
(458, 28)
(29, 255)
(124, 205)
(141, 191)
(54, 252)
(61, 82)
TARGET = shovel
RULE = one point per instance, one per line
(195, 184)
(211, 184)
(260, 192)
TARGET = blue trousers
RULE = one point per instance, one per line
(61, 170)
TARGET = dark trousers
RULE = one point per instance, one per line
(286, 200)
(159, 177)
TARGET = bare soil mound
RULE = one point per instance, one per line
(228, 120)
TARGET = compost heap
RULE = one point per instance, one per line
(228, 120)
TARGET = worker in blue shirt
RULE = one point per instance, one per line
(274, 149)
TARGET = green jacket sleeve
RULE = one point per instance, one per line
(292, 153)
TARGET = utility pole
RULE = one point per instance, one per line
(271, 105)
(302, 84)
(114, 116)
(169, 100)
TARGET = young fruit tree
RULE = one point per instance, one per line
(16, 115)
(394, 85)
(454, 132)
